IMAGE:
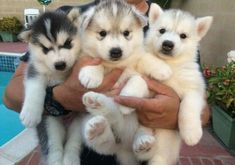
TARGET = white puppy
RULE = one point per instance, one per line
(174, 36)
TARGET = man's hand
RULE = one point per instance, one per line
(161, 111)
(70, 93)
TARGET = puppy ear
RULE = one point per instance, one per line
(25, 35)
(143, 21)
(154, 12)
(86, 18)
(73, 15)
(203, 25)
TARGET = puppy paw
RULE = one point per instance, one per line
(95, 103)
(191, 135)
(95, 127)
(92, 100)
(143, 143)
(90, 77)
(29, 117)
(71, 158)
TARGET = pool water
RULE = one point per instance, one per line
(10, 124)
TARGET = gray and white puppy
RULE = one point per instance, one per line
(113, 31)
(54, 46)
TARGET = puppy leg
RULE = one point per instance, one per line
(166, 148)
(56, 135)
(126, 158)
(190, 118)
(154, 67)
(137, 87)
(73, 144)
(87, 78)
(143, 143)
(100, 104)
(34, 100)
(98, 135)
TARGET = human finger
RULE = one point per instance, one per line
(146, 104)
(109, 80)
(159, 87)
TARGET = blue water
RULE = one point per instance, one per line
(10, 124)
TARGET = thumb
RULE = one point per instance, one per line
(159, 87)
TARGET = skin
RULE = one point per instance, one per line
(161, 111)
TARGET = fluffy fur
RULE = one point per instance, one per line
(54, 46)
(174, 36)
(113, 31)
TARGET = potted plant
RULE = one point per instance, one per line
(165, 4)
(221, 95)
(9, 28)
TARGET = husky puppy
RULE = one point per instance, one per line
(113, 31)
(54, 46)
(174, 37)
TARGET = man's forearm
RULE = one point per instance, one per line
(14, 93)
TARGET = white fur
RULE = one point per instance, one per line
(111, 128)
(186, 80)
(35, 91)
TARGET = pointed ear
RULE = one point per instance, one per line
(154, 12)
(25, 35)
(73, 15)
(203, 25)
(143, 21)
(86, 18)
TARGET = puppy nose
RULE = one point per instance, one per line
(115, 53)
(167, 46)
(61, 65)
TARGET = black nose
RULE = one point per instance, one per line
(61, 65)
(115, 53)
(167, 46)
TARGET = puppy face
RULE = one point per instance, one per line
(112, 30)
(53, 41)
(174, 33)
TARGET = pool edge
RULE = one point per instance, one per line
(25, 142)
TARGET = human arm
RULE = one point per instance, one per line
(14, 93)
(67, 94)
(160, 111)
(70, 93)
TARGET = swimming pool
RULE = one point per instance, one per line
(10, 124)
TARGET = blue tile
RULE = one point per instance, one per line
(8, 63)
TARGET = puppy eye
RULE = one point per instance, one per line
(67, 44)
(126, 33)
(162, 31)
(45, 49)
(103, 33)
(183, 36)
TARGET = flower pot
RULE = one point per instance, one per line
(223, 126)
(8, 37)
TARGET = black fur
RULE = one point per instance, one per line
(31, 72)
(59, 22)
(43, 137)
